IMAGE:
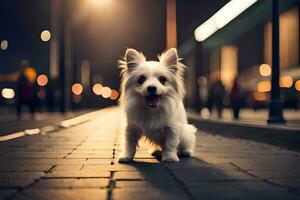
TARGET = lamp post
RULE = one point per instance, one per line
(171, 31)
(275, 106)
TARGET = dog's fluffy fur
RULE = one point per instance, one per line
(152, 99)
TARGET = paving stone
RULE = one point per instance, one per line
(149, 194)
(72, 183)
(99, 161)
(71, 161)
(271, 164)
(5, 193)
(90, 155)
(28, 161)
(217, 167)
(36, 155)
(62, 194)
(239, 190)
(161, 183)
(64, 167)
(78, 174)
(90, 183)
(276, 173)
(135, 166)
(211, 175)
(289, 182)
(143, 175)
(7, 167)
(18, 179)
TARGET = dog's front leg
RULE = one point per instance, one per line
(169, 148)
(130, 142)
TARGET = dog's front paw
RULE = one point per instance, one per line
(170, 157)
(125, 160)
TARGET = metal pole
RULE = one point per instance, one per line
(62, 63)
(275, 107)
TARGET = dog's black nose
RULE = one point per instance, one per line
(151, 89)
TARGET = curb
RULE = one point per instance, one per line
(47, 129)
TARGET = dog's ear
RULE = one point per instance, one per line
(170, 59)
(133, 58)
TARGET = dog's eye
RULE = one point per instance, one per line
(162, 79)
(141, 79)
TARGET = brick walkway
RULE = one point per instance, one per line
(80, 162)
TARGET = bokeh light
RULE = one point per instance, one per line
(297, 85)
(264, 86)
(42, 80)
(106, 92)
(114, 95)
(77, 98)
(100, 2)
(30, 74)
(45, 35)
(260, 96)
(205, 113)
(77, 89)
(265, 70)
(286, 81)
(97, 89)
(202, 81)
(42, 94)
(8, 93)
(4, 45)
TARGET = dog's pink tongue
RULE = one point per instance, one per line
(152, 101)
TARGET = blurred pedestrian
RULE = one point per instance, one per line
(235, 98)
(217, 95)
(50, 96)
(202, 92)
(26, 88)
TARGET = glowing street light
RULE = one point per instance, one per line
(45, 35)
(4, 45)
(263, 86)
(114, 95)
(297, 85)
(8, 93)
(99, 2)
(265, 70)
(285, 81)
(106, 92)
(42, 80)
(226, 14)
(77, 89)
(97, 89)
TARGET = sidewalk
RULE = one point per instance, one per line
(9, 123)
(253, 126)
(80, 162)
(257, 117)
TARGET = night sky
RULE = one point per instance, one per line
(101, 37)
(21, 24)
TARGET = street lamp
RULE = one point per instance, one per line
(4, 45)
(66, 22)
(275, 107)
(99, 2)
(45, 35)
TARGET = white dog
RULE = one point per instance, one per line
(152, 98)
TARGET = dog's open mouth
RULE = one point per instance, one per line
(152, 100)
